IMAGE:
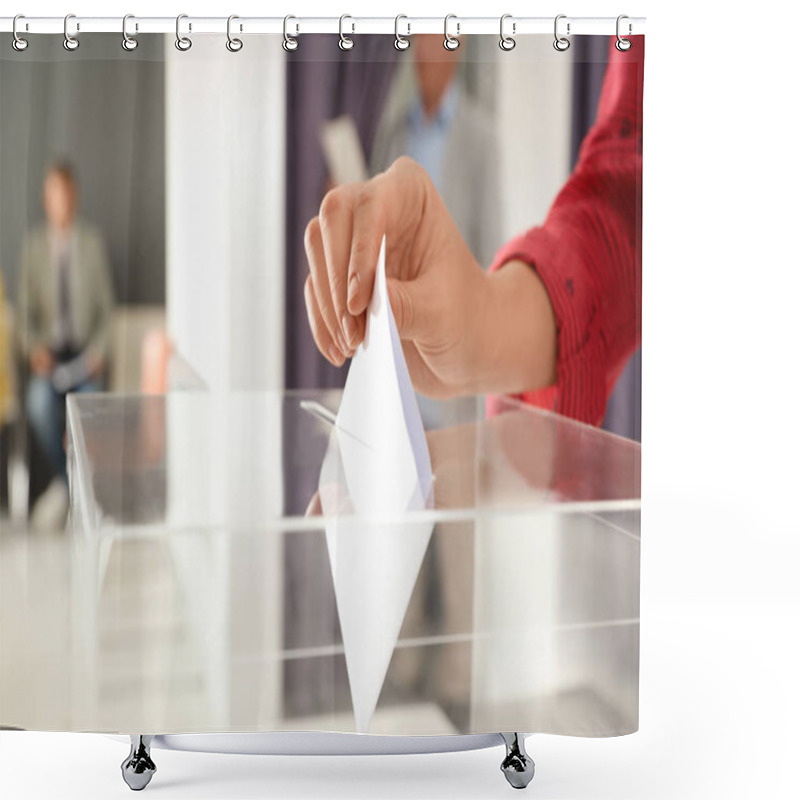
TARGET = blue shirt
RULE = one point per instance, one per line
(427, 137)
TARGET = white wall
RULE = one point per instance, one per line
(225, 129)
(225, 156)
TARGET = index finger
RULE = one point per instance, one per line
(391, 204)
(336, 221)
(369, 222)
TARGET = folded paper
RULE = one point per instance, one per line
(377, 468)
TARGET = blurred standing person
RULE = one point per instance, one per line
(451, 137)
(65, 308)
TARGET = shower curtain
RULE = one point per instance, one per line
(156, 232)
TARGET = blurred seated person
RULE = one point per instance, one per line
(452, 137)
(65, 308)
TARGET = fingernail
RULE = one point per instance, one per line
(335, 355)
(343, 347)
(350, 331)
(352, 287)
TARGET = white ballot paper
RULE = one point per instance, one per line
(376, 469)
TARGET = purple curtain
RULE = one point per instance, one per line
(322, 83)
(624, 411)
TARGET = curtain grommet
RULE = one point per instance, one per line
(507, 42)
(71, 43)
(401, 42)
(233, 44)
(345, 42)
(451, 42)
(129, 43)
(17, 42)
(290, 43)
(561, 43)
(622, 44)
(182, 43)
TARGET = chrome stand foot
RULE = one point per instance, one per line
(138, 768)
(517, 766)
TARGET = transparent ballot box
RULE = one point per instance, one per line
(211, 595)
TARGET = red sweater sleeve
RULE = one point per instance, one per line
(588, 252)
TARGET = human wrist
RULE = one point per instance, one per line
(485, 362)
(518, 332)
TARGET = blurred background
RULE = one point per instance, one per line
(184, 182)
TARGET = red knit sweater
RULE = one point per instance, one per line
(588, 252)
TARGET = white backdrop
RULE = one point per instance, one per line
(720, 702)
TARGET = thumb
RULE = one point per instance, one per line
(409, 307)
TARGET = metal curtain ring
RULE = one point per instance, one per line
(71, 43)
(18, 43)
(233, 44)
(507, 42)
(451, 42)
(561, 43)
(623, 45)
(345, 42)
(128, 42)
(401, 42)
(183, 43)
(290, 43)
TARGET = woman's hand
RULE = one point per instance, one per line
(463, 331)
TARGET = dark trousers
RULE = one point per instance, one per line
(46, 410)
